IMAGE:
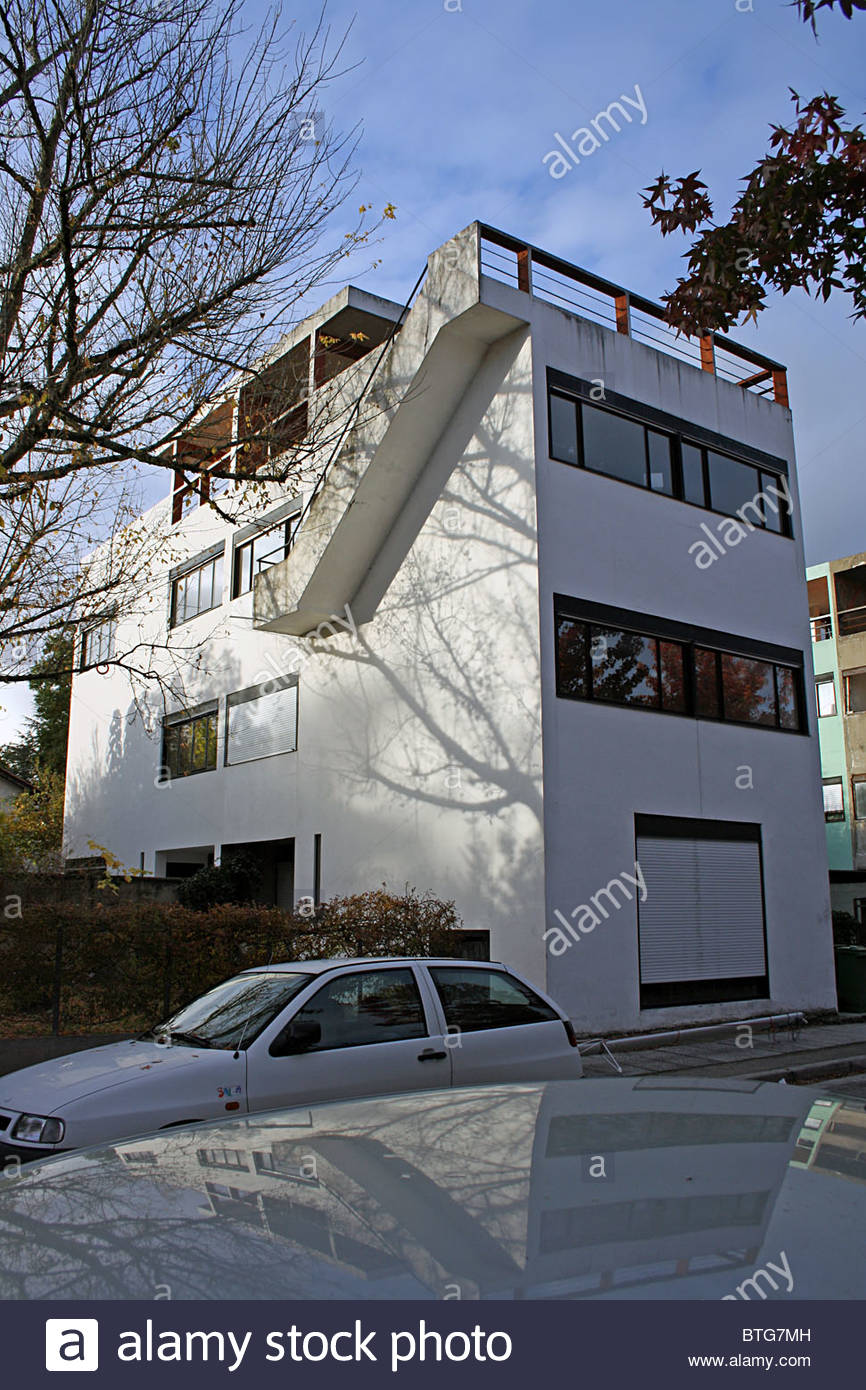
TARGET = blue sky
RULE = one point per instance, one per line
(459, 101)
(460, 105)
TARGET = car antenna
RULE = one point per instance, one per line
(237, 1051)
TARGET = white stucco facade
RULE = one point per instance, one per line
(432, 747)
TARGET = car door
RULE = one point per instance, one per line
(376, 1035)
(500, 1029)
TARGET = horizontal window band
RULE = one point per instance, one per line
(646, 624)
(661, 419)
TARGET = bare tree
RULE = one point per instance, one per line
(170, 191)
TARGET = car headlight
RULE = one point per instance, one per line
(38, 1129)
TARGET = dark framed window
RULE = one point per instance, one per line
(631, 664)
(858, 787)
(855, 691)
(834, 805)
(825, 696)
(266, 547)
(197, 590)
(189, 744)
(473, 1000)
(97, 643)
(366, 1006)
(623, 445)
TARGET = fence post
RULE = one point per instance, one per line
(58, 979)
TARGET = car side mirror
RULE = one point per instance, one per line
(298, 1036)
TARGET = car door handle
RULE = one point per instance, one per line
(431, 1056)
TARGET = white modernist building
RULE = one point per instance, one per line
(537, 641)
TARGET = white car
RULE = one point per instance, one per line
(295, 1034)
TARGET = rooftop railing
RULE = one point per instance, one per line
(581, 292)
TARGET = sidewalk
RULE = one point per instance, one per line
(805, 1053)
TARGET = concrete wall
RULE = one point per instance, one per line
(604, 541)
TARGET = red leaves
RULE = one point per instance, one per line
(797, 224)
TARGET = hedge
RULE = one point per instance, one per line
(76, 967)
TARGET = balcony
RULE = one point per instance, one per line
(581, 292)
(821, 627)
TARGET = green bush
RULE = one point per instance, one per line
(233, 881)
(125, 966)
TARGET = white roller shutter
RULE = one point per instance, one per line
(262, 721)
(703, 916)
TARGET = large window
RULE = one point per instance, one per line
(262, 721)
(623, 665)
(623, 446)
(858, 787)
(834, 806)
(701, 920)
(97, 643)
(473, 1000)
(197, 590)
(189, 744)
(266, 547)
(825, 694)
(367, 1006)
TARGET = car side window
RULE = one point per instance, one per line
(476, 999)
(368, 1006)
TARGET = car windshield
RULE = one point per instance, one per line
(235, 1012)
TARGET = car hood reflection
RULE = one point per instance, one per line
(620, 1188)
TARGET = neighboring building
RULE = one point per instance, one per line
(837, 608)
(543, 649)
(11, 785)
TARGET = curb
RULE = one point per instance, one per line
(815, 1071)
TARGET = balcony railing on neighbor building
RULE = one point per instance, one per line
(822, 627)
(558, 282)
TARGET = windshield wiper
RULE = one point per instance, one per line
(193, 1038)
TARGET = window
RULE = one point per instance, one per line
(262, 721)
(858, 785)
(825, 692)
(820, 618)
(626, 666)
(855, 691)
(197, 590)
(223, 1158)
(834, 807)
(701, 920)
(189, 744)
(619, 444)
(233, 1013)
(478, 999)
(97, 643)
(269, 546)
(368, 1006)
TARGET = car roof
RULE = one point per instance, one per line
(318, 967)
(369, 1198)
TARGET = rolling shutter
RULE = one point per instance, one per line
(262, 721)
(703, 918)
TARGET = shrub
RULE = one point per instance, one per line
(125, 966)
(233, 881)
